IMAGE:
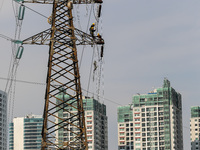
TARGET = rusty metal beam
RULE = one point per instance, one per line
(43, 38)
(73, 1)
(63, 70)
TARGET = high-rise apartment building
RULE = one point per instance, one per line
(152, 122)
(95, 122)
(25, 133)
(125, 128)
(3, 120)
(195, 128)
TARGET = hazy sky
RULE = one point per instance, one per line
(146, 40)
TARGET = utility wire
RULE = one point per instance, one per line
(104, 98)
(90, 71)
(86, 32)
(36, 12)
(28, 82)
(33, 10)
(5, 37)
(37, 83)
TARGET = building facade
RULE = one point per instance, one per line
(195, 128)
(3, 120)
(25, 133)
(125, 128)
(95, 122)
(152, 122)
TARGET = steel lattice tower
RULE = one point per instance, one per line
(63, 75)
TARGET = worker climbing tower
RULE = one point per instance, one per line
(63, 75)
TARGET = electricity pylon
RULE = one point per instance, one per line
(63, 75)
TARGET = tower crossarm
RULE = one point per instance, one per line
(42, 38)
(73, 1)
(82, 38)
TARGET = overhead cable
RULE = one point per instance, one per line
(90, 71)
(6, 37)
(28, 82)
(33, 10)
(37, 83)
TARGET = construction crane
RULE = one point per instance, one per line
(63, 74)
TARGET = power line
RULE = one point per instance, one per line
(37, 83)
(22, 81)
(33, 10)
(5, 37)
(103, 98)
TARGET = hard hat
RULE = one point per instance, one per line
(98, 34)
(93, 24)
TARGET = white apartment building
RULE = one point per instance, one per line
(3, 120)
(25, 133)
(195, 128)
(95, 122)
(152, 122)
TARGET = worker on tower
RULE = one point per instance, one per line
(100, 39)
(92, 30)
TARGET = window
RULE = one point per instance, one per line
(137, 139)
(89, 117)
(89, 122)
(126, 120)
(89, 113)
(122, 147)
(137, 124)
(142, 100)
(89, 132)
(89, 137)
(121, 138)
(137, 144)
(89, 127)
(131, 133)
(137, 134)
(137, 129)
(126, 115)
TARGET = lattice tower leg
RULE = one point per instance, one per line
(63, 77)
